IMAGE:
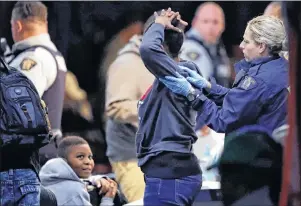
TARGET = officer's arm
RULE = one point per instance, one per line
(195, 53)
(240, 107)
(153, 55)
(216, 93)
(39, 66)
(31, 67)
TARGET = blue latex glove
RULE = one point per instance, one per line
(178, 85)
(196, 79)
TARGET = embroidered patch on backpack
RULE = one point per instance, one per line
(27, 64)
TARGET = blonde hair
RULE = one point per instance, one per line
(268, 30)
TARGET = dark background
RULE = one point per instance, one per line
(81, 30)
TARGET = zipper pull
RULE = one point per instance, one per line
(25, 111)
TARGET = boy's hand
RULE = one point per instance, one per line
(182, 24)
(112, 190)
(165, 18)
(103, 184)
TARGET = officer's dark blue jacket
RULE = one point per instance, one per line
(258, 96)
(166, 121)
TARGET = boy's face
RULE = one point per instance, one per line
(81, 160)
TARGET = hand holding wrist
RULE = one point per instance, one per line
(160, 21)
(166, 18)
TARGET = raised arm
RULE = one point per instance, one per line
(152, 51)
(153, 55)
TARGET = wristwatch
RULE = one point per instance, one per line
(191, 95)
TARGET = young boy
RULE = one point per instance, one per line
(166, 123)
(64, 175)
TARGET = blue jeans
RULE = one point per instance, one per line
(19, 187)
(171, 191)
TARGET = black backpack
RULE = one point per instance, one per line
(23, 115)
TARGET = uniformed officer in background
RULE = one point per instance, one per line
(203, 46)
(36, 56)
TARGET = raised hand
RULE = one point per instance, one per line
(181, 24)
(166, 17)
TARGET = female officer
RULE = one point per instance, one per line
(260, 90)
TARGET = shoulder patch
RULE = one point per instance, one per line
(27, 64)
(193, 55)
(248, 83)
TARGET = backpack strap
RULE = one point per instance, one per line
(32, 48)
(5, 67)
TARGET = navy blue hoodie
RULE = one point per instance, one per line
(166, 121)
